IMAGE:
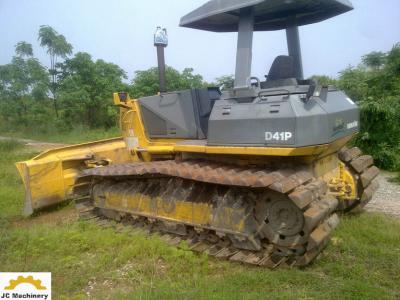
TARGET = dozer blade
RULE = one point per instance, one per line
(49, 178)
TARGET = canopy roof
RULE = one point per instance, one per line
(223, 15)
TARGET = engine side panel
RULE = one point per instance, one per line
(169, 115)
(182, 115)
(233, 123)
(283, 121)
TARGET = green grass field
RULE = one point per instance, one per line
(76, 135)
(361, 262)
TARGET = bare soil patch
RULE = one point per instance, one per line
(39, 146)
(54, 217)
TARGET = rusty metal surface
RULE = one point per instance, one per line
(282, 180)
(360, 163)
(366, 174)
(270, 256)
(286, 213)
(347, 154)
(288, 216)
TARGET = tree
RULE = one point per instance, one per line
(324, 80)
(377, 91)
(355, 82)
(393, 64)
(146, 82)
(21, 81)
(24, 49)
(86, 89)
(57, 47)
(226, 81)
(374, 60)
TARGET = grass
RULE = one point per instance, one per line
(361, 262)
(74, 136)
(11, 190)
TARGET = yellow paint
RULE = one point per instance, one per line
(326, 167)
(50, 176)
(349, 183)
(131, 122)
(242, 150)
(196, 214)
(159, 150)
(343, 185)
(36, 283)
(341, 182)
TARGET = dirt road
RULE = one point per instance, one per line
(40, 146)
(387, 198)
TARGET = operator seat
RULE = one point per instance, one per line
(281, 73)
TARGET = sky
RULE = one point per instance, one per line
(121, 32)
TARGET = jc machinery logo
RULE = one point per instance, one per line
(25, 286)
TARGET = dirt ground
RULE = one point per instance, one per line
(40, 146)
(56, 217)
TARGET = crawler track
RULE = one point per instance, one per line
(365, 173)
(271, 218)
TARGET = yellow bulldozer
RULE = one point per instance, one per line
(257, 173)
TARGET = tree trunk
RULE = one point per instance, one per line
(53, 81)
(55, 105)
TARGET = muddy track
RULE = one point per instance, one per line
(365, 173)
(209, 243)
(288, 225)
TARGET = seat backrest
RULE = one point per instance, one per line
(282, 68)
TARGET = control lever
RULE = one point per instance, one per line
(311, 90)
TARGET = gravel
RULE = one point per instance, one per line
(387, 198)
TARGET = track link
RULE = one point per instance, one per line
(285, 216)
(365, 173)
(211, 244)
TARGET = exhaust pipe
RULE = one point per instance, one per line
(161, 42)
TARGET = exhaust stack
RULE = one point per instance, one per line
(161, 42)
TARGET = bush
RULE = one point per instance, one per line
(380, 132)
(376, 89)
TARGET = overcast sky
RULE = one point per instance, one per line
(121, 31)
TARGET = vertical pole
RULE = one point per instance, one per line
(244, 48)
(161, 68)
(161, 41)
(293, 42)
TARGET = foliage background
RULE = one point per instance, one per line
(74, 93)
(375, 86)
